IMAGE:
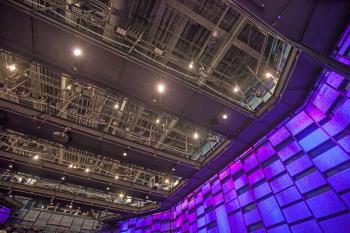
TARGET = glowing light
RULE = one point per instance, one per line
(191, 65)
(125, 154)
(36, 157)
(63, 178)
(12, 67)
(116, 177)
(121, 195)
(161, 88)
(173, 169)
(196, 135)
(116, 106)
(70, 166)
(224, 116)
(268, 75)
(157, 121)
(87, 170)
(10, 166)
(69, 87)
(167, 181)
(77, 52)
(108, 188)
(236, 89)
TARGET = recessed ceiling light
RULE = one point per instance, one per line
(268, 75)
(161, 87)
(195, 135)
(173, 169)
(121, 195)
(107, 188)
(87, 170)
(191, 65)
(116, 106)
(10, 166)
(147, 197)
(77, 52)
(167, 181)
(125, 154)
(63, 178)
(116, 177)
(12, 67)
(70, 166)
(36, 157)
(236, 89)
(224, 116)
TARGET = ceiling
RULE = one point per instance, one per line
(200, 53)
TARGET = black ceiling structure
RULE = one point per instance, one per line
(213, 58)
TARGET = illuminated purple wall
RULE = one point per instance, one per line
(4, 214)
(297, 179)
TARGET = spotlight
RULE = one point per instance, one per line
(236, 89)
(36, 157)
(157, 121)
(69, 87)
(161, 88)
(12, 67)
(10, 166)
(70, 166)
(116, 177)
(87, 170)
(147, 197)
(191, 65)
(125, 154)
(70, 206)
(63, 178)
(107, 188)
(196, 135)
(173, 169)
(116, 106)
(121, 195)
(74, 166)
(224, 116)
(167, 181)
(268, 75)
(77, 52)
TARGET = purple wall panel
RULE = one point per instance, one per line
(294, 180)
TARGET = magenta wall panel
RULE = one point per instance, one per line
(297, 179)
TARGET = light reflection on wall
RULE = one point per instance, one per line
(297, 180)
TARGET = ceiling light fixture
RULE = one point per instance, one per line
(87, 170)
(173, 169)
(10, 166)
(70, 166)
(108, 188)
(36, 157)
(196, 135)
(125, 154)
(157, 121)
(69, 87)
(121, 195)
(161, 88)
(191, 65)
(63, 178)
(77, 52)
(236, 89)
(167, 181)
(12, 67)
(116, 177)
(268, 75)
(224, 116)
(116, 106)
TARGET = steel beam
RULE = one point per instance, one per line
(48, 119)
(64, 170)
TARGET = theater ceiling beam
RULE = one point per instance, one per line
(43, 118)
(39, 166)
